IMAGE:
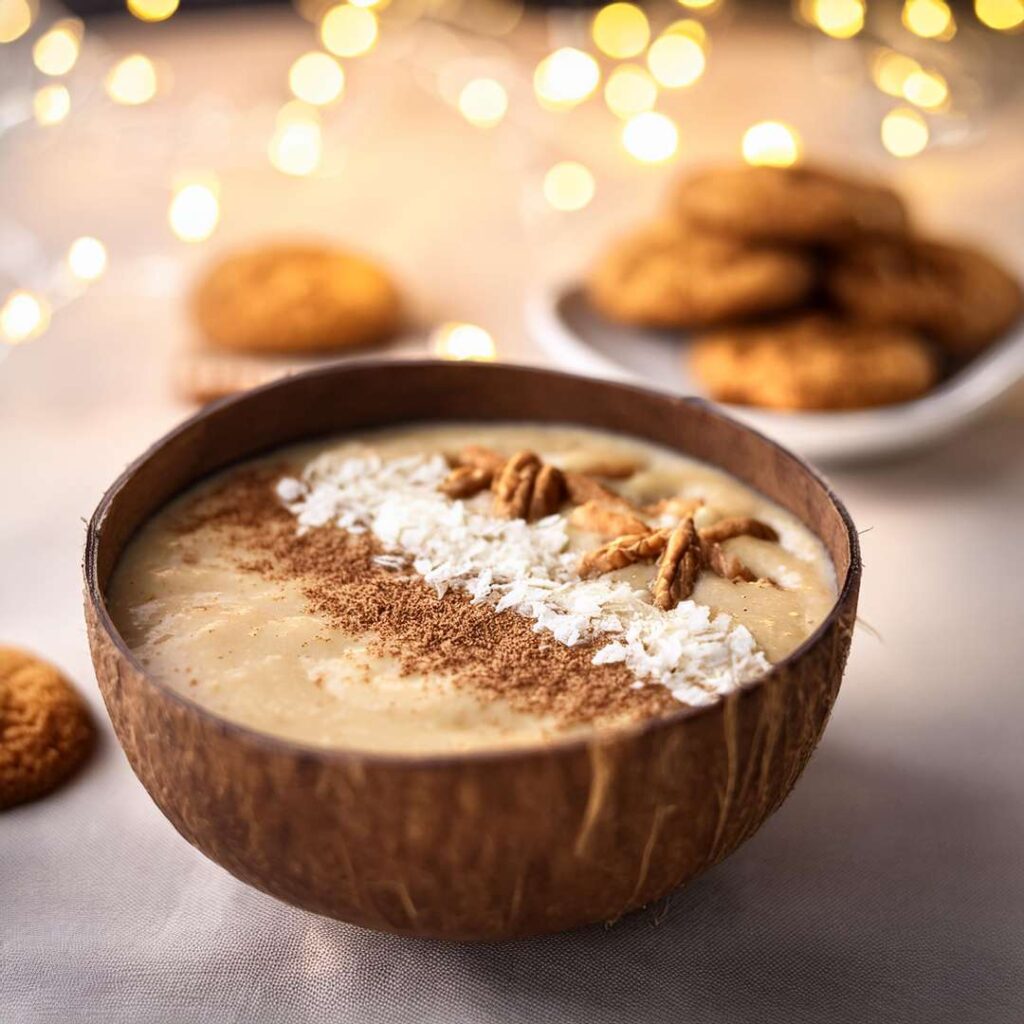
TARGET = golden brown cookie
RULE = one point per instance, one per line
(295, 298)
(45, 729)
(958, 295)
(814, 362)
(806, 205)
(667, 276)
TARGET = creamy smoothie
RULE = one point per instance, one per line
(466, 586)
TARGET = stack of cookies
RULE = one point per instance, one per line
(805, 288)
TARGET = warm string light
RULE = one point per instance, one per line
(316, 78)
(650, 137)
(565, 78)
(569, 186)
(349, 31)
(23, 316)
(630, 90)
(677, 57)
(51, 104)
(620, 30)
(483, 102)
(890, 71)
(87, 258)
(56, 51)
(840, 19)
(194, 210)
(929, 19)
(152, 10)
(1002, 15)
(296, 147)
(132, 81)
(460, 341)
(904, 132)
(771, 144)
(927, 89)
(15, 19)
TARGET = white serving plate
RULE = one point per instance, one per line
(564, 325)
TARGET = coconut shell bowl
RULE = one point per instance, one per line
(479, 845)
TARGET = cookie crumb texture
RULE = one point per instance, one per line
(295, 298)
(45, 729)
(814, 363)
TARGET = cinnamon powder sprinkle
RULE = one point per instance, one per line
(496, 655)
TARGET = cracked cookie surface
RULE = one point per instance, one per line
(45, 729)
(295, 298)
(814, 362)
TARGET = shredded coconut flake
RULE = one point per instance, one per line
(526, 568)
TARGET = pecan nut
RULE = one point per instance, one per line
(623, 551)
(465, 481)
(606, 520)
(678, 567)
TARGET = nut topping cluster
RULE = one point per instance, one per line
(525, 487)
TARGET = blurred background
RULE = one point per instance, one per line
(476, 147)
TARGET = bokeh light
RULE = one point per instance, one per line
(87, 258)
(699, 5)
(890, 71)
(462, 341)
(51, 104)
(691, 28)
(1002, 15)
(483, 102)
(620, 30)
(568, 186)
(349, 31)
(676, 60)
(152, 10)
(565, 78)
(771, 144)
(316, 77)
(840, 19)
(296, 147)
(926, 89)
(930, 19)
(132, 80)
(904, 132)
(56, 50)
(650, 137)
(630, 90)
(194, 211)
(15, 19)
(23, 316)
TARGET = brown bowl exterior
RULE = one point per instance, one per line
(486, 845)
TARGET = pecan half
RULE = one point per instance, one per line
(623, 551)
(728, 566)
(465, 481)
(582, 489)
(482, 458)
(606, 521)
(527, 489)
(548, 493)
(737, 526)
(678, 567)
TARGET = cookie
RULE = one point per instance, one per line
(45, 729)
(796, 205)
(667, 276)
(295, 298)
(958, 295)
(814, 362)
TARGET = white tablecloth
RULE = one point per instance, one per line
(888, 888)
